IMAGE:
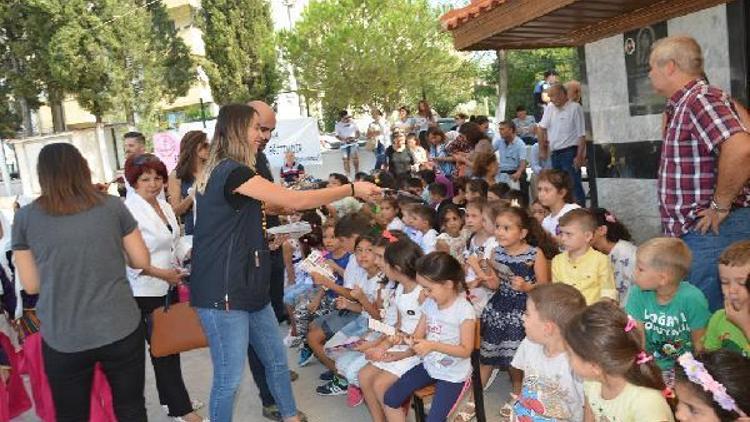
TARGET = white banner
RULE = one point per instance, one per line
(300, 135)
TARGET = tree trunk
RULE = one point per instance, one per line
(28, 127)
(58, 116)
(130, 117)
(502, 85)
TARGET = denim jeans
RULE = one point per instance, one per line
(229, 334)
(379, 156)
(563, 160)
(706, 248)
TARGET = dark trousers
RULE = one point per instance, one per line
(563, 160)
(259, 376)
(167, 369)
(71, 375)
(277, 286)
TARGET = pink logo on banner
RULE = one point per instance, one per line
(167, 148)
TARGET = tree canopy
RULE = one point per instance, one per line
(114, 56)
(240, 50)
(376, 52)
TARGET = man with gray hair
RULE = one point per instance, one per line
(562, 137)
(704, 194)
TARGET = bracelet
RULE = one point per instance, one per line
(715, 206)
(352, 186)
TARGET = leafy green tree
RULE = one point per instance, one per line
(114, 56)
(353, 53)
(240, 44)
(525, 68)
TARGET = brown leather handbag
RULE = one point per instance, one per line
(176, 328)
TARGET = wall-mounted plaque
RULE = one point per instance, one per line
(637, 48)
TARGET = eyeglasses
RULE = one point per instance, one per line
(144, 158)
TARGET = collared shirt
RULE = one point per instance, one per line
(699, 119)
(525, 127)
(565, 125)
(438, 151)
(510, 155)
(591, 274)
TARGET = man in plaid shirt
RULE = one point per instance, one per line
(704, 194)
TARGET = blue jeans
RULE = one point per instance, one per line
(563, 160)
(229, 333)
(380, 156)
(706, 248)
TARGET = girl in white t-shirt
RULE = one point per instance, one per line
(454, 236)
(479, 249)
(388, 215)
(621, 381)
(444, 338)
(386, 361)
(613, 238)
(555, 191)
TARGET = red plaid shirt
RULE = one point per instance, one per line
(699, 118)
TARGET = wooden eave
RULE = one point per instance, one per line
(526, 24)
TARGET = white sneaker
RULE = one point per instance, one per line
(181, 419)
(195, 404)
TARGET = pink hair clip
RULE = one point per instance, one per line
(387, 235)
(643, 357)
(631, 325)
(609, 217)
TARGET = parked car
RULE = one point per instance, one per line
(446, 123)
(329, 142)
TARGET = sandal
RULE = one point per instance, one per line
(467, 413)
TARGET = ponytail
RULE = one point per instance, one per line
(604, 335)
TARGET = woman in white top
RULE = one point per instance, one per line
(161, 233)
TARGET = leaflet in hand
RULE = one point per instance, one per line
(504, 273)
(293, 230)
(316, 263)
(380, 327)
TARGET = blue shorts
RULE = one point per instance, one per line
(335, 321)
(347, 150)
(295, 291)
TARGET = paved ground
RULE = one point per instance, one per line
(197, 370)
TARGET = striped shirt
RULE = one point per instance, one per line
(699, 119)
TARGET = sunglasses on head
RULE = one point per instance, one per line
(144, 158)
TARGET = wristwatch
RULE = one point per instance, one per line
(715, 206)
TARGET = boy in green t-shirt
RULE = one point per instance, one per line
(729, 328)
(672, 313)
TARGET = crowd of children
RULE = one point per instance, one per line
(588, 325)
(389, 296)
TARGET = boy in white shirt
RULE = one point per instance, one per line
(423, 218)
(550, 389)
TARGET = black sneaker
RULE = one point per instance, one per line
(335, 387)
(326, 376)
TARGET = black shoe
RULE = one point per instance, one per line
(326, 376)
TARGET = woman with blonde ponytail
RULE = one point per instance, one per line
(230, 264)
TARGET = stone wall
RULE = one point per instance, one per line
(626, 147)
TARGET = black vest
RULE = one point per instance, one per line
(230, 261)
